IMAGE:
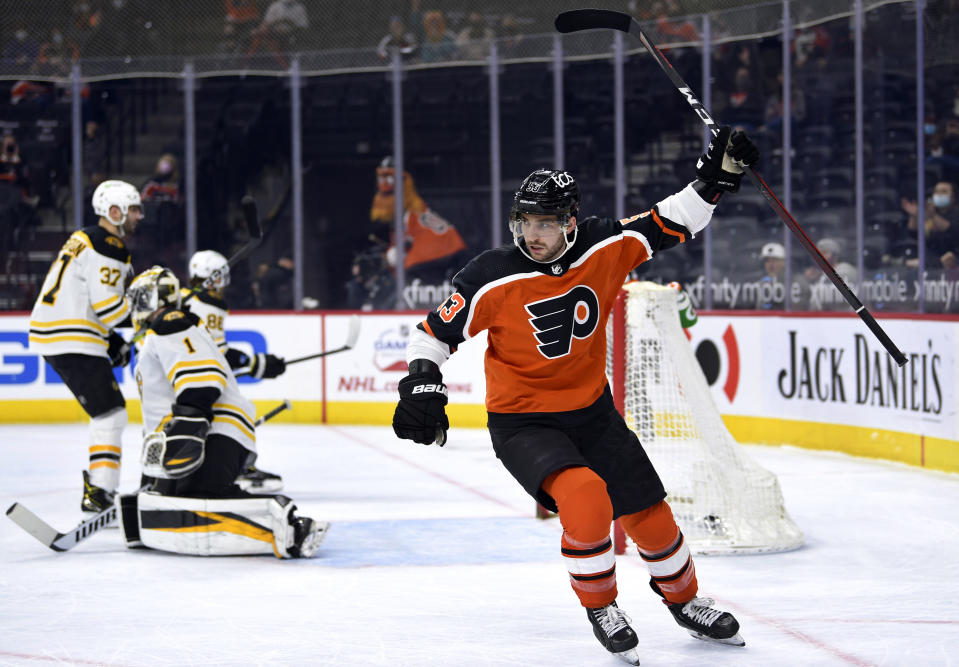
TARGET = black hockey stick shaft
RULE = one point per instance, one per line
(588, 19)
(53, 539)
(285, 405)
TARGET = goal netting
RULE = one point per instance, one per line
(723, 501)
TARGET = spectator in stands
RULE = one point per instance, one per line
(57, 54)
(284, 21)
(371, 286)
(774, 106)
(241, 18)
(941, 225)
(23, 50)
(473, 39)
(745, 108)
(943, 147)
(17, 202)
(94, 151)
(439, 45)
(397, 38)
(274, 284)
(823, 295)
(164, 184)
(510, 35)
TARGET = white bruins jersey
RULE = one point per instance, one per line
(177, 354)
(82, 298)
(212, 312)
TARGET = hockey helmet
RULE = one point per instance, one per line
(545, 192)
(115, 193)
(209, 268)
(155, 288)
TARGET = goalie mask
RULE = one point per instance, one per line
(209, 268)
(155, 288)
(115, 193)
(545, 192)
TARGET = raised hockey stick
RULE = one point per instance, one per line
(588, 19)
(351, 337)
(50, 537)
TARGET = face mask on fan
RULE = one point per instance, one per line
(941, 200)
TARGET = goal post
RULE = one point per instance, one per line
(724, 502)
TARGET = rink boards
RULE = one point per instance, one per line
(817, 381)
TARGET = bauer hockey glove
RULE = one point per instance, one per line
(184, 443)
(267, 366)
(118, 350)
(722, 164)
(420, 415)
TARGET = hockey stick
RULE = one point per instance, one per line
(351, 337)
(285, 405)
(587, 19)
(50, 537)
(255, 233)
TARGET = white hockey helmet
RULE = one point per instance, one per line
(115, 193)
(157, 287)
(211, 268)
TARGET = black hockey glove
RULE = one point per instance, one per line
(267, 366)
(721, 166)
(118, 350)
(420, 415)
(236, 358)
(185, 440)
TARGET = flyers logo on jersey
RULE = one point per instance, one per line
(560, 319)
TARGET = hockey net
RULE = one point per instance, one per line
(723, 501)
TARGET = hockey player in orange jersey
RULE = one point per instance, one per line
(545, 303)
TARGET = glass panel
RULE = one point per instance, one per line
(664, 138)
(941, 131)
(243, 146)
(35, 173)
(890, 253)
(347, 132)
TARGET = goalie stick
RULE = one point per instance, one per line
(50, 537)
(255, 233)
(588, 19)
(351, 337)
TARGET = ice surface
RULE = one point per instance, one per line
(434, 558)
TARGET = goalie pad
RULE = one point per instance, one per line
(221, 527)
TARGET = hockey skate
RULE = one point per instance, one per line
(612, 629)
(95, 499)
(703, 622)
(254, 480)
(307, 535)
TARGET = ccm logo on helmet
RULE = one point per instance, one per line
(430, 389)
(557, 321)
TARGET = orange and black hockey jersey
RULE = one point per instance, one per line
(547, 322)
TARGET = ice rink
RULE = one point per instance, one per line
(434, 558)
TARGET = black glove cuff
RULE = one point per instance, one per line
(425, 366)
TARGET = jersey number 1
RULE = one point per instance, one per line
(51, 296)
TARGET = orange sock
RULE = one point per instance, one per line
(662, 546)
(586, 513)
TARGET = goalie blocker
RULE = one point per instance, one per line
(219, 527)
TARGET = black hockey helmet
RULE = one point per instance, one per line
(545, 192)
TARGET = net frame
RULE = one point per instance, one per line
(724, 502)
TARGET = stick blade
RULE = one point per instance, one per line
(591, 19)
(34, 525)
(354, 332)
(248, 204)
